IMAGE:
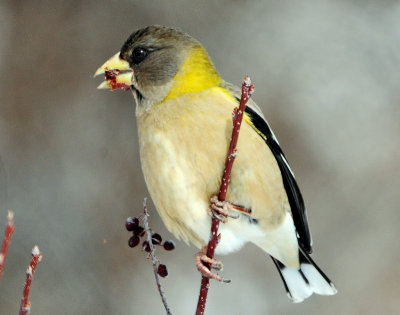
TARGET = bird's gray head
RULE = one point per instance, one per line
(153, 55)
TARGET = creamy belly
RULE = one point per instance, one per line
(183, 150)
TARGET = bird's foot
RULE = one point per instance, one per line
(202, 258)
(223, 209)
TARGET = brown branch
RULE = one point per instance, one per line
(7, 237)
(247, 91)
(36, 258)
(153, 256)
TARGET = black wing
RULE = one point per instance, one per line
(292, 190)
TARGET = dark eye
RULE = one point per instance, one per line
(138, 55)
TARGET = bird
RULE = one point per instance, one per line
(184, 119)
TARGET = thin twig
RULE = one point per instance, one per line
(247, 91)
(153, 256)
(7, 237)
(25, 303)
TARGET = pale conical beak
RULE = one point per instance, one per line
(114, 78)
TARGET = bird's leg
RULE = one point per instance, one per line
(201, 258)
(222, 209)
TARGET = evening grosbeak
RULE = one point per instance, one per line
(184, 116)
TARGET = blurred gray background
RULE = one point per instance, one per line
(327, 78)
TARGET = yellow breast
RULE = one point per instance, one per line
(196, 74)
(183, 145)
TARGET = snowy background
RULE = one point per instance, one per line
(327, 78)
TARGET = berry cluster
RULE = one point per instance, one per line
(132, 224)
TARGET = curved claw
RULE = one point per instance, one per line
(222, 209)
(202, 258)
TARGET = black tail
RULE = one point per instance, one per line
(309, 279)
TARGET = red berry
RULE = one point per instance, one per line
(146, 247)
(156, 239)
(162, 270)
(138, 230)
(131, 223)
(169, 245)
(133, 241)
